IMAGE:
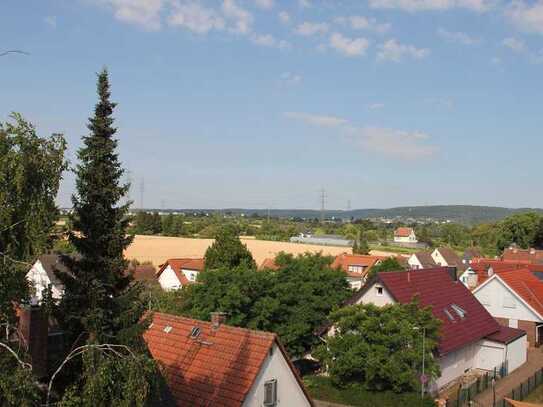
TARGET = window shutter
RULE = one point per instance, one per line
(270, 393)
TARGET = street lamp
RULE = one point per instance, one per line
(422, 376)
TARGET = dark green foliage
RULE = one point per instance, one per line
(17, 385)
(388, 264)
(361, 245)
(379, 347)
(322, 388)
(30, 172)
(518, 229)
(293, 301)
(147, 223)
(227, 251)
(538, 239)
(98, 292)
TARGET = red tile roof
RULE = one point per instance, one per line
(345, 260)
(218, 368)
(403, 232)
(506, 335)
(437, 289)
(529, 255)
(525, 285)
(143, 272)
(481, 267)
(179, 264)
(269, 263)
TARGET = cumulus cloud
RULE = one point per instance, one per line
(284, 17)
(268, 40)
(394, 143)
(196, 18)
(458, 37)
(145, 13)
(393, 51)
(363, 23)
(241, 19)
(317, 120)
(526, 17)
(426, 5)
(350, 47)
(307, 28)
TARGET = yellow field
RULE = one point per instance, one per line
(157, 249)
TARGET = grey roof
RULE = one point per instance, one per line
(52, 263)
(452, 258)
(425, 258)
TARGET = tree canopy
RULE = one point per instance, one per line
(381, 347)
(227, 251)
(520, 229)
(388, 264)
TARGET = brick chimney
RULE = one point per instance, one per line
(217, 318)
(34, 330)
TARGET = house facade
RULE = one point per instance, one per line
(470, 337)
(42, 274)
(515, 299)
(209, 363)
(356, 267)
(405, 235)
(177, 273)
(421, 260)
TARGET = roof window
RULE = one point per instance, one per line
(167, 329)
(461, 313)
(449, 315)
(195, 332)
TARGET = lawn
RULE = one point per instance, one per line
(536, 396)
(321, 388)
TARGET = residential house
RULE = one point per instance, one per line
(177, 273)
(470, 254)
(145, 273)
(481, 269)
(356, 267)
(447, 257)
(405, 235)
(470, 337)
(529, 255)
(515, 299)
(42, 274)
(212, 364)
(421, 260)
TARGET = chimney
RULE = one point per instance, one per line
(408, 276)
(34, 330)
(452, 273)
(217, 319)
(532, 250)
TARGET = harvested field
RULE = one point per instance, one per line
(157, 249)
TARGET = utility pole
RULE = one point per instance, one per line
(323, 199)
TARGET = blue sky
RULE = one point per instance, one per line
(260, 103)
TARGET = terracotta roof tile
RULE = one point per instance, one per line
(179, 264)
(218, 368)
(529, 255)
(403, 232)
(526, 285)
(345, 260)
(506, 335)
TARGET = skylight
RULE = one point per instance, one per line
(449, 315)
(167, 329)
(195, 332)
(461, 313)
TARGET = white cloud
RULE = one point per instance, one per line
(317, 120)
(304, 3)
(264, 4)
(458, 37)
(394, 143)
(307, 28)
(425, 5)
(284, 17)
(527, 17)
(350, 47)
(51, 21)
(290, 79)
(145, 13)
(363, 23)
(393, 51)
(514, 44)
(240, 17)
(268, 40)
(195, 17)
(375, 106)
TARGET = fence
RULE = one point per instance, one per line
(525, 388)
(466, 394)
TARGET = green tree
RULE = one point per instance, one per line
(388, 264)
(538, 238)
(228, 251)
(101, 304)
(381, 346)
(360, 245)
(519, 229)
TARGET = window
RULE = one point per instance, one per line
(509, 301)
(449, 315)
(270, 393)
(379, 290)
(195, 332)
(192, 277)
(355, 269)
(461, 313)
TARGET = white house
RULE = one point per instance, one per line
(421, 260)
(209, 363)
(177, 273)
(356, 267)
(405, 235)
(470, 337)
(515, 298)
(42, 274)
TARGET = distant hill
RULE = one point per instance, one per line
(466, 214)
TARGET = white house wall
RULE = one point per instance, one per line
(493, 295)
(372, 297)
(168, 280)
(454, 364)
(39, 280)
(438, 258)
(414, 262)
(289, 393)
(490, 355)
(517, 353)
(189, 274)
